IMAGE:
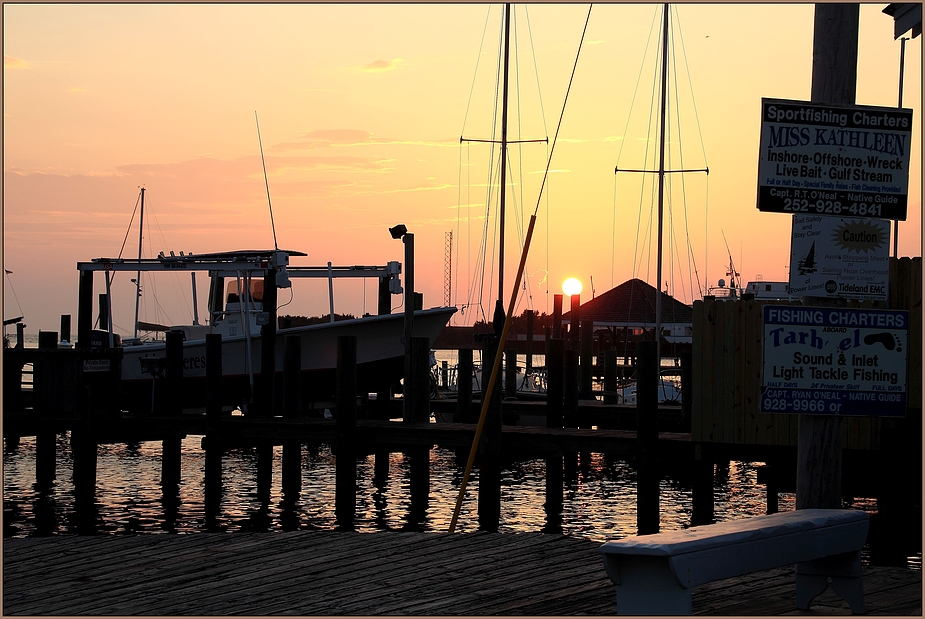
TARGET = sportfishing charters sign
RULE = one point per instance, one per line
(834, 361)
(851, 161)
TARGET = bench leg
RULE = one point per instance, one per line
(647, 586)
(847, 580)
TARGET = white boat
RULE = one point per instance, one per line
(237, 313)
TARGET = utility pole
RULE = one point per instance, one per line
(835, 76)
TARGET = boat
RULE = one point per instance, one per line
(240, 283)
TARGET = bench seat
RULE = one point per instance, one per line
(654, 574)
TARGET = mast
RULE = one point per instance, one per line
(507, 46)
(661, 189)
(141, 227)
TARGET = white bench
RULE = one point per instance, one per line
(654, 574)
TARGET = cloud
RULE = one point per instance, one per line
(11, 62)
(379, 66)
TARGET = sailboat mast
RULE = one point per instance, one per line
(661, 187)
(507, 50)
(141, 227)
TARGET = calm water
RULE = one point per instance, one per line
(599, 499)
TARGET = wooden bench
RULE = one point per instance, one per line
(654, 574)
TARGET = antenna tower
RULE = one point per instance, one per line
(448, 268)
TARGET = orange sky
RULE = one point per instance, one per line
(361, 111)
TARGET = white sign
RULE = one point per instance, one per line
(96, 365)
(834, 361)
(840, 257)
(825, 159)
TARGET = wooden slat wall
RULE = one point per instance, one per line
(727, 360)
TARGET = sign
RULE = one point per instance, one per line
(834, 361)
(96, 365)
(840, 257)
(851, 161)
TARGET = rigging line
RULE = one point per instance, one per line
(266, 180)
(486, 397)
(536, 70)
(691, 262)
(475, 73)
(112, 274)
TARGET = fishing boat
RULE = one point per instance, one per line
(241, 304)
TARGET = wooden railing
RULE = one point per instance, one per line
(727, 359)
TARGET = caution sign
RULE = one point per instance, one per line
(834, 160)
(834, 361)
(840, 257)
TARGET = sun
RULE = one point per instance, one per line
(571, 286)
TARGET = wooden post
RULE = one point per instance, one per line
(444, 375)
(20, 335)
(570, 410)
(345, 491)
(557, 316)
(174, 372)
(490, 446)
(212, 442)
(45, 439)
(555, 381)
(292, 405)
(264, 471)
(66, 328)
(510, 373)
(104, 311)
(574, 324)
(267, 391)
(170, 461)
(610, 376)
(419, 457)
(531, 314)
(464, 386)
(702, 488)
(647, 499)
(85, 309)
(585, 391)
(687, 391)
(835, 59)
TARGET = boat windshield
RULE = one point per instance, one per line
(233, 290)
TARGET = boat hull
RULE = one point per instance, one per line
(380, 360)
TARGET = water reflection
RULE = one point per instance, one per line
(221, 492)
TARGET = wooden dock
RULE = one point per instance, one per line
(339, 573)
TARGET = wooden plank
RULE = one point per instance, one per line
(697, 372)
(739, 372)
(729, 372)
(719, 330)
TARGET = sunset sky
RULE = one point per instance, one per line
(361, 111)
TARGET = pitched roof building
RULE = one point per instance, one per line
(631, 305)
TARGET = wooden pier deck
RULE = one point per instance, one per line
(332, 573)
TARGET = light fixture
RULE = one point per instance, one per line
(398, 231)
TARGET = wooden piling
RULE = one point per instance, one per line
(420, 381)
(489, 507)
(687, 392)
(84, 309)
(610, 376)
(574, 322)
(570, 389)
(531, 315)
(464, 386)
(170, 460)
(345, 491)
(555, 381)
(419, 456)
(444, 375)
(587, 359)
(510, 373)
(104, 311)
(647, 494)
(292, 405)
(45, 439)
(212, 441)
(266, 406)
(264, 471)
(557, 316)
(20, 335)
(174, 373)
(66, 328)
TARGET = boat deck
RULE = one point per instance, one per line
(328, 573)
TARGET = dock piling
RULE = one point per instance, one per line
(647, 501)
(510, 373)
(587, 359)
(345, 491)
(464, 386)
(489, 507)
(174, 372)
(292, 405)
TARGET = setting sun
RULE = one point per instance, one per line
(571, 286)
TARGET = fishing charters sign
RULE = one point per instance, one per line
(834, 361)
(848, 161)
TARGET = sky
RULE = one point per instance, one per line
(362, 109)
